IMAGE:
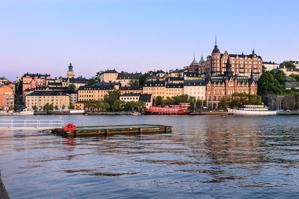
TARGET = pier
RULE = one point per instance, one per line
(137, 129)
(23, 125)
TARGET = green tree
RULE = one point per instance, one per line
(159, 101)
(142, 79)
(268, 84)
(56, 107)
(72, 87)
(134, 82)
(34, 108)
(223, 103)
(288, 64)
(296, 77)
(113, 100)
(91, 81)
(48, 107)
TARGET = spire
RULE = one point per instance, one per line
(216, 50)
(253, 53)
(70, 67)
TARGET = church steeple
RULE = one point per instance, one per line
(70, 72)
(216, 49)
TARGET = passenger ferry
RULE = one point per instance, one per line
(254, 110)
(181, 109)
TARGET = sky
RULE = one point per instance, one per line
(44, 36)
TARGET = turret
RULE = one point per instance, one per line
(70, 73)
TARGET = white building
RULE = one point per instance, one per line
(195, 88)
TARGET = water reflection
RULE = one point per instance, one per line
(212, 156)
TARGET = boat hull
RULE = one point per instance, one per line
(253, 113)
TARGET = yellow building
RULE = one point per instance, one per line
(39, 99)
(156, 88)
(95, 92)
(131, 89)
(125, 79)
(108, 76)
(195, 88)
(172, 90)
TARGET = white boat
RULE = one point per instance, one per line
(254, 110)
(77, 111)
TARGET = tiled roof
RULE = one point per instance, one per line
(194, 83)
(154, 84)
(46, 93)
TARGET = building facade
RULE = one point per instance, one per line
(38, 100)
(195, 88)
(108, 76)
(155, 88)
(6, 98)
(95, 92)
(242, 65)
(136, 97)
(224, 86)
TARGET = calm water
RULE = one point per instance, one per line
(204, 157)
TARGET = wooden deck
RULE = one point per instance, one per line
(136, 129)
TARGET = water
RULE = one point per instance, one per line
(204, 157)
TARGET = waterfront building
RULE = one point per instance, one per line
(224, 86)
(268, 66)
(95, 92)
(38, 99)
(6, 98)
(195, 88)
(242, 65)
(155, 88)
(126, 79)
(173, 89)
(136, 97)
(108, 76)
(70, 72)
(31, 81)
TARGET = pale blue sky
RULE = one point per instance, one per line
(139, 35)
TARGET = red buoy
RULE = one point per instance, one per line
(69, 127)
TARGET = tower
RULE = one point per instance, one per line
(228, 72)
(215, 65)
(70, 72)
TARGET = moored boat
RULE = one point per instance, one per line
(181, 109)
(254, 110)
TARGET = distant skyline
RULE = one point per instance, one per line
(139, 35)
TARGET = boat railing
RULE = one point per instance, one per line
(30, 124)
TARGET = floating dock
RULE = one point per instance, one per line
(84, 131)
